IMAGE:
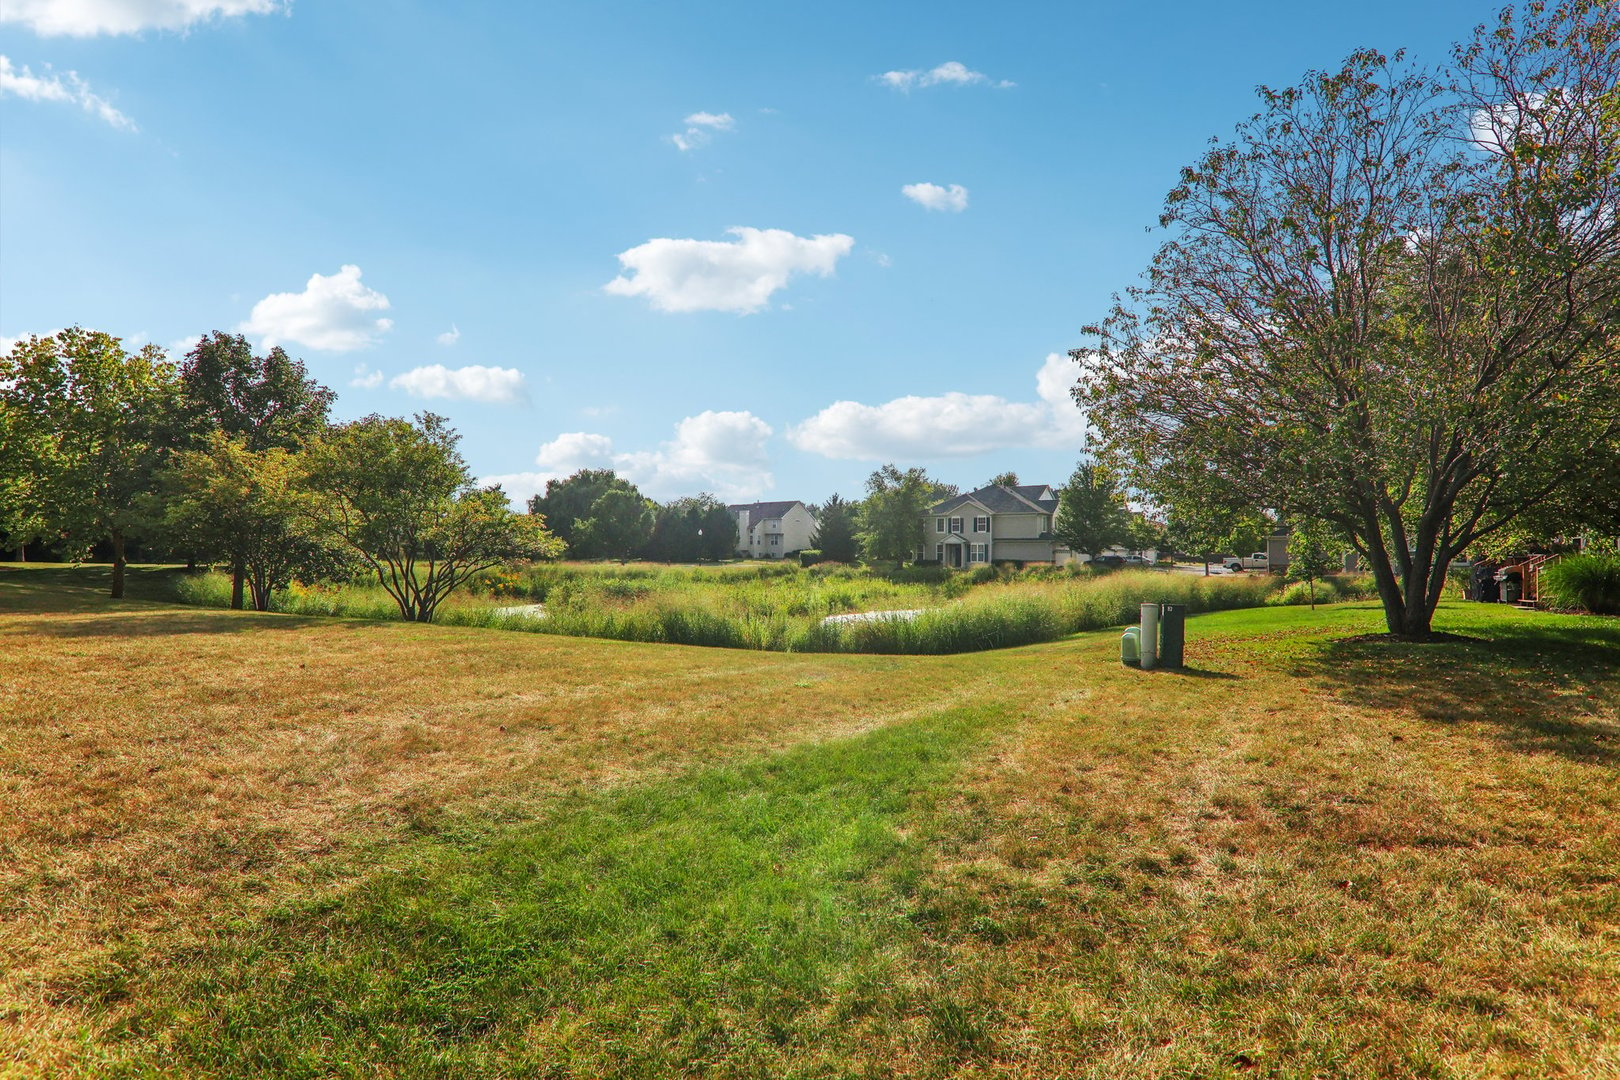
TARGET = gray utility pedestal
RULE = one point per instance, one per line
(1150, 636)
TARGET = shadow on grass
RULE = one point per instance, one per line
(164, 623)
(57, 589)
(81, 586)
(1540, 685)
(1198, 673)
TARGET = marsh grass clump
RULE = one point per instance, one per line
(782, 607)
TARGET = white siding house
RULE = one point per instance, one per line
(770, 530)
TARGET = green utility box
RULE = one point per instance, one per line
(1130, 646)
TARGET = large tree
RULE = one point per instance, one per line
(91, 423)
(569, 500)
(402, 499)
(835, 530)
(1091, 515)
(693, 529)
(261, 402)
(247, 507)
(891, 526)
(618, 524)
(1389, 301)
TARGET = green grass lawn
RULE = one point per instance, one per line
(236, 844)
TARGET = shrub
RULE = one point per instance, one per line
(980, 574)
(809, 557)
(1583, 582)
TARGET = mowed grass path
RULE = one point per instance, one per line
(236, 844)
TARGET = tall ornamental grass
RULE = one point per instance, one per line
(1020, 612)
(1583, 583)
(781, 607)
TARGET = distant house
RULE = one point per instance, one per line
(995, 523)
(770, 530)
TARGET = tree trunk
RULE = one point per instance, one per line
(261, 592)
(1389, 586)
(238, 573)
(1418, 618)
(22, 552)
(119, 562)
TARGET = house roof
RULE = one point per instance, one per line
(759, 511)
(1025, 499)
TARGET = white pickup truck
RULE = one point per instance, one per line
(1258, 561)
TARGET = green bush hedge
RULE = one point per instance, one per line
(1583, 583)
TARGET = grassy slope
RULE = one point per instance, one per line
(232, 844)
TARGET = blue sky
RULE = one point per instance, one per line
(756, 249)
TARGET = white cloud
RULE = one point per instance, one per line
(949, 425)
(719, 452)
(450, 336)
(332, 313)
(183, 345)
(717, 121)
(950, 73)
(933, 197)
(492, 385)
(720, 275)
(365, 378)
(700, 129)
(69, 89)
(85, 18)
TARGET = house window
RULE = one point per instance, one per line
(978, 553)
(776, 541)
(939, 552)
(939, 524)
(981, 524)
(956, 524)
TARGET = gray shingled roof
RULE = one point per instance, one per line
(1001, 500)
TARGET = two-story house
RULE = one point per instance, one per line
(994, 523)
(770, 530)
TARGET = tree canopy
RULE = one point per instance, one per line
(247, 507)
(835, 530)
(402, 499)
(89, 426)
(265, 400)
(260, 404)
(570, 500)
(1388, 302)
(1091, 515)
(891, 526)
(692, 530)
